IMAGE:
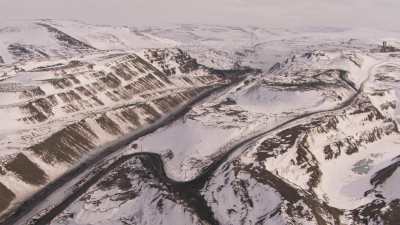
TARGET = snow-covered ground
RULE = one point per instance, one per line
(55, 109)
(75, 87)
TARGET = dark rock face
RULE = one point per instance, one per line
(377, 212)
(25, 51)
(6, 197)
(66, 145)
(275, 67)
(162, 58)
(26, 170)
(382, 175)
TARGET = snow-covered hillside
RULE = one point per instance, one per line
(311, 139)
(325, 168)
(59, 106)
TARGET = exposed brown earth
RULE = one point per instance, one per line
(66, 145)
(6, 197)
(26, 170)
(109, 125)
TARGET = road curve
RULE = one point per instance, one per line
(187, 190)
(17, 216)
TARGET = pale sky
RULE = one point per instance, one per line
(268, 13)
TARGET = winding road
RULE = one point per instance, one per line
(189, 191)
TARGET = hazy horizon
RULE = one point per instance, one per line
(269, 13)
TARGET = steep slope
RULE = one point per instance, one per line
(53, 115)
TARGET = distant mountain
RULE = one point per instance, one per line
(197, 124)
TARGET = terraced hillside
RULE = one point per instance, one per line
(54, 115)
